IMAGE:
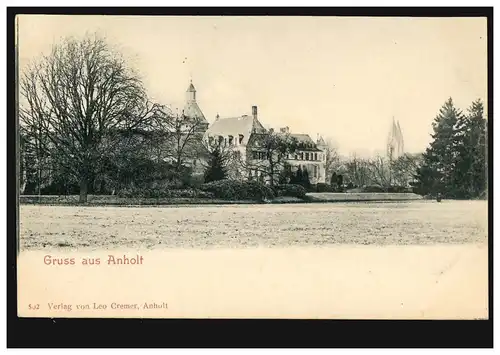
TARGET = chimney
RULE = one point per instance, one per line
(285, 129)
(254, 112)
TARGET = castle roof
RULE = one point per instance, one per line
(305, 142)
(302, 138)
(234, 126)
(192, 110)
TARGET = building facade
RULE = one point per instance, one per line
(242, 134)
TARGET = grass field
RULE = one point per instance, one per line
(365, 223)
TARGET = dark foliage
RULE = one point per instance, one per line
(455, 162)
(238, 190)
(291, 190)
(216, 169)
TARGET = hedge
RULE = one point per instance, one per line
(238, 190)
(291, 190)
(158, 191)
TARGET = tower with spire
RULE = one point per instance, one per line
(192, 110)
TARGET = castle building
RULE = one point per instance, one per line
(235, 133)
(241, 134)
(309, 156)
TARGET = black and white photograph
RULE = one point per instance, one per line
(276, 167)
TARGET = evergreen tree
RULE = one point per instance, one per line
(305, 179)
(472, 169)
(299, 178)
(340, 182)
(437, 173)
(333, 180)
(216, 169)
(455, 162)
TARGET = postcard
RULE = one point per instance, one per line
(252, 167)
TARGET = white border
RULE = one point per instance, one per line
(200, 3)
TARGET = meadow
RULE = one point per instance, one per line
(243, 226)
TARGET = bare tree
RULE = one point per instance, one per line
(332, 161)
(84, 99)
(179, 137)
(267, 154)
(355, 170)
(405, 168)
(380, 172)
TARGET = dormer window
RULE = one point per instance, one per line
(240, 138)
(230, 140)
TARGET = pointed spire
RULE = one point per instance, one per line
(400, 140)
(191, 87)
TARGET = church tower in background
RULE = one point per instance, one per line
(395, 142)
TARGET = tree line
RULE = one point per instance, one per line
(454, 164)
(87, 125)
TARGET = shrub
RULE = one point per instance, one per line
(291, 190)
(196, 181)
(391, 189)
(373, 189)
(238, 190)
(161, 190)
(399, 189)
(321, 187)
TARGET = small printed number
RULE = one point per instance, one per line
(33, 306)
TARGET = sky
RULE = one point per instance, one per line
(342, 77)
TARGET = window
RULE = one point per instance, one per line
(307, 156)
(302, 156)
(259, 155)
(230, 140)
(315, 156)
(240, 138)
(296, 157)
